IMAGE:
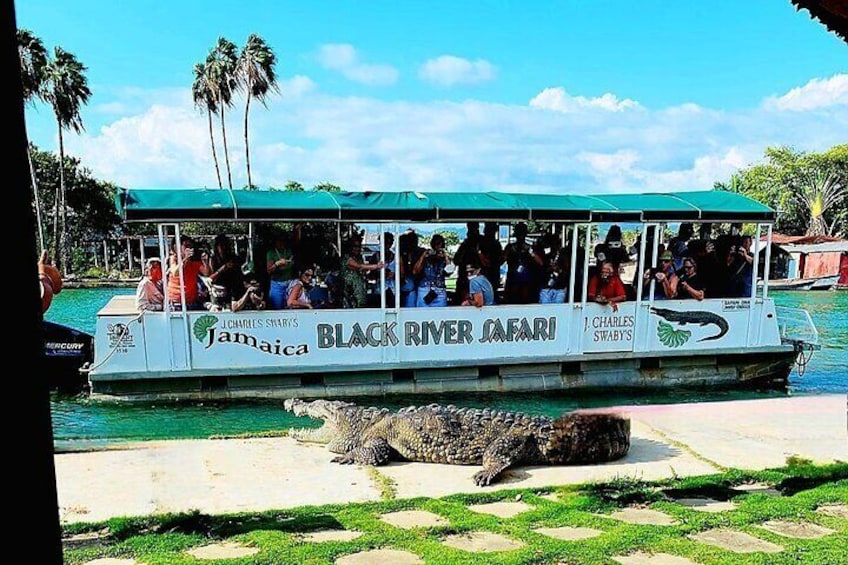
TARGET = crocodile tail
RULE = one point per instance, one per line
(589, 438)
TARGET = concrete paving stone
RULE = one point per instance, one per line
(641, 558)
(706, 504)
(320, 536)
(501, 509)
(569, 533)
(481, 542)
(226, 550)
(380, 557)
(642, 516)
(112, 561)
(737, 542)
(408, 519)
(803, 530)
(758, 488)
(552, 496)
(835, 510)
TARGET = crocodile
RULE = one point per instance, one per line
(462, 436)
(694, 317)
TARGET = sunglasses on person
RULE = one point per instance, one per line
(688, 266)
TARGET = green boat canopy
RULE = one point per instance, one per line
(178, 205)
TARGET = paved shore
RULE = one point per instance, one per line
(238, 475)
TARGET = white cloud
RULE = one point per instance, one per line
(296, 86)
(448, 70)
(366, 143)
(561, 101)
(818, 93)
(343, 57)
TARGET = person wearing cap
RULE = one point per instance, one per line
(665, 277)
(148, 293)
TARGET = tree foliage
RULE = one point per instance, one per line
(809, 189)
(89, 200)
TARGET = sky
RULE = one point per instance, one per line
(533, 96)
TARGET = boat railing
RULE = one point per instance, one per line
(797, 327)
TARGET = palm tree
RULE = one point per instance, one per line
(66, 90)
(33, 57)
(204, 98)
(221, 67)
(256, 74)
(820, 192)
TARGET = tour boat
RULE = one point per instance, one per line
(388, 349)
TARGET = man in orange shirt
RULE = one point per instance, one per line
(188, 269)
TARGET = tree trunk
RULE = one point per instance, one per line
(246, 140)
(214, 151)
(226, 149)
(63, 239)
(39, 220)
(56, 197)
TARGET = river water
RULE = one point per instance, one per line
(79, 421)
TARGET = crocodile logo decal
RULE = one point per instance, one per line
(698, 317)
(202, 325)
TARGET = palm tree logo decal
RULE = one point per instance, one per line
(202, 326)
(671, 337)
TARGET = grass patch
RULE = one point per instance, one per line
(384, 484)
(164, 539)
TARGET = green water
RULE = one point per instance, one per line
(77, 420)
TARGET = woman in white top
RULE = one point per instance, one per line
(298, 297)
(148, 293)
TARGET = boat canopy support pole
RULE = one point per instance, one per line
(640, 265)
(573, 266)
(166, 304)
(382, 271)
(586, 265)
(767, 266)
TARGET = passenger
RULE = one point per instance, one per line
(677, 244)
(279, 262)
(519, 269)
(227, 278)
(491, 258)
(354, 269)
(148, 293)
(741, 279)
(706, 263)
(468, 251)
(665, 277)
(556, 272)
(409, 253)
(606, 287)
(613, 248)
(430, 267)
(480, 291)
(689, 286)
(190, 268)
(298, 291)
(250, 298)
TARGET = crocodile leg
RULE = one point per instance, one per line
(374, 452)
(499, 455)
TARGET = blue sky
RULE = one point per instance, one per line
(580, 96)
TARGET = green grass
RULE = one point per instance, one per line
(164, 539)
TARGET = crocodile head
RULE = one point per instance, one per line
(342, 422)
